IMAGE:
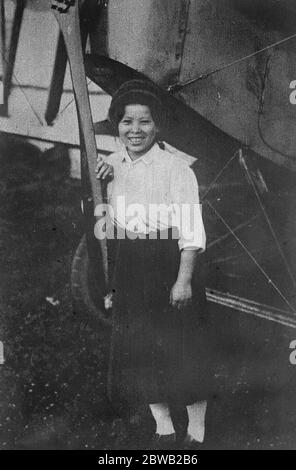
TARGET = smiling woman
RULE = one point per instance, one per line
(160, 341)
(137, 130)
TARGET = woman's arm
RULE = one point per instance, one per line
(185, 195)
(181, 292)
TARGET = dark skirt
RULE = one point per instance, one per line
(158, 353)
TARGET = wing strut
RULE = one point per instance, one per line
(67, 15)
(8, 57)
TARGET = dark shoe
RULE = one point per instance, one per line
(191, 444)
(164, 441)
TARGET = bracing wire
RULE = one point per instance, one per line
(239, 153)
(36, 114)
(69, 104)
(219, 174)
(270, 281)
(179, 86)
(269, 223)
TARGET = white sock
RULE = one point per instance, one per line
(196, 417)
(161, 414)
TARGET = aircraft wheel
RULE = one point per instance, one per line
(85, 300)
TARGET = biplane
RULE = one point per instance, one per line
(226, 69)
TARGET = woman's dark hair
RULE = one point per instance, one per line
(138, 92)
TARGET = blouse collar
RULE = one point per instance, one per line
(147, 158)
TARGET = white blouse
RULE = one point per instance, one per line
(155, 192)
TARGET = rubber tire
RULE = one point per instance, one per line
(83, 300)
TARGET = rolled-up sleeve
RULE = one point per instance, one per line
(187, 208)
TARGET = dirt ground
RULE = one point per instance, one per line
(53, 381)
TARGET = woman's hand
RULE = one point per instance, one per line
(181, 294)
(104, 170)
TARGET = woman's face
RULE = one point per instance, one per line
(137, 130)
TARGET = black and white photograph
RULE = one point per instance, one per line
(147, 227)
